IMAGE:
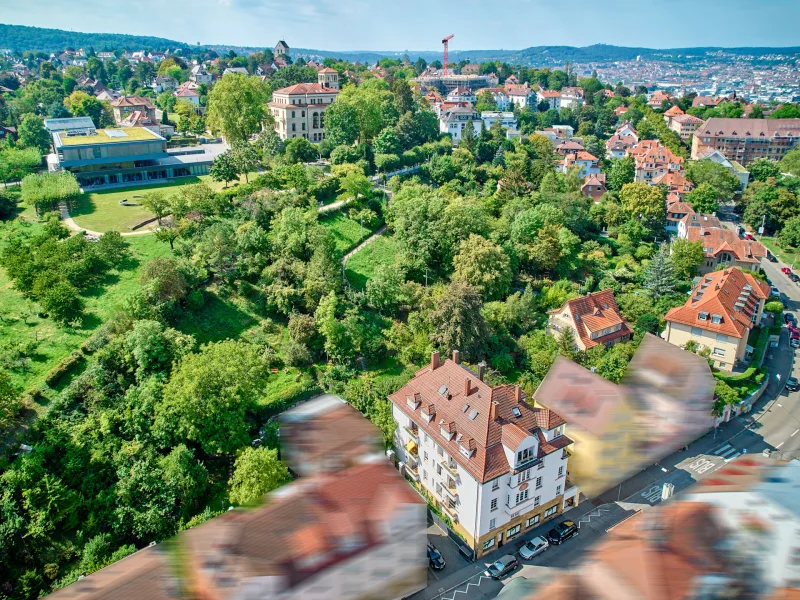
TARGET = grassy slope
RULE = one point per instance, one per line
(348, 233)
(363, 263)
(787, 256)
(20, 321)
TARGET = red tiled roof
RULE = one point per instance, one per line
(132, 101)
(305, 88)
(468, 416)
(717, 294)
(674, 111)
(720, 239)
(598, 311)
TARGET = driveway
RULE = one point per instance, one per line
(454, 560)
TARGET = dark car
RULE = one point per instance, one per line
(788, 318)
(792, 384)
(794, 277)
(771, 257)
(503, 566)
(435, 559)
(562, 532)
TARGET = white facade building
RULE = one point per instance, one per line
(493, 463)
(454, 120)
(507, 119)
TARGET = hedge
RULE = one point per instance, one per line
(63, 367)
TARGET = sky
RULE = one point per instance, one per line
(397, 25)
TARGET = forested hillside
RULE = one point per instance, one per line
(20, 37)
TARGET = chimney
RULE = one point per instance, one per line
(467, 386)
(517, 394)
(457, 357)
(434, 360)
(481, 370)
(492, 411)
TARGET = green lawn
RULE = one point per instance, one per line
(787, 256)
(219, 319)
(101, 210)
(20, 323)
(363, 263)
(348, 233)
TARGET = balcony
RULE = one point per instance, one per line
(566, 453)
(450, 490)
(412, 449)
(450, 467)
(413, 433)
(412, 472)
(450, 510)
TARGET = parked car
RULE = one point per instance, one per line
(771, 257)
(786, 270)
(795, 343)
(748, 236)
(792, 384)
(534, 547)
(435, 559)
(774, 291)
(788, 317)
(794, 277)
(562, 532)
(502, 567)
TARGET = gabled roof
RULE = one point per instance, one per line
(594, 179)
(482, 415)
(716, 240)
(305, 88)
(132, 101)
(674, 111)
(672, 179)
(751, 128)
(596, 312)
(730, 294)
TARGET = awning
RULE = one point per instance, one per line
(411, 446)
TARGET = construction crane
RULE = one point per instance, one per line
(444, 42)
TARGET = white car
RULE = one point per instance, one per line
(534, 547)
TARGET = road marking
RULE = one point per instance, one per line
(653, 494)
(779, 404)
(464, 591)
(722, 449)
(588, 516)
(779, 445)
(795, 432)
(701, 465)
(727, 460)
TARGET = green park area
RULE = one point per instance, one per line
(362, 265)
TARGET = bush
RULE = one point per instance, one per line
(64, 366)
(47, 190)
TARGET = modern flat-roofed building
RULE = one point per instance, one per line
(507, 119)
(493, 463)
(126, 157)
(745, 140)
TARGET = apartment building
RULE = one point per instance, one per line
(722, 247)
(587, 163)
(676, 211)
(617, 146)
(719, 314)
(677, 185)
(493, 463)
(299, 110)
(745, 140)
(552, 97)
(653, 160)
(461, 94)
(125, 105)
(499, 96)
(453, 121)
(594, 319)
(685, 126)
(507, 119)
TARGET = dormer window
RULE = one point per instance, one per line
(716, 319)
(702, 316)
(412, 402)
(524, 455)
(428, 413)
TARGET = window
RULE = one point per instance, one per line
(521, 496)
(438, 469)
(439, 451)
(425, 475)
(492, 523)
(716, 319)
(541, 466)
(550, 511)
(493, 504)
(495, 485)
(525, 475)
(513, 531)
(303, 125)
(538, 482)
(524, 455)
(536, 501)
(558, 490)
(425, 456)
(697, 331)
(721, 337)
(488, 544)
(719, 352)
(293, 114)
(560, 472)
(532, 521)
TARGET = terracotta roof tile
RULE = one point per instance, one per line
(598, 311)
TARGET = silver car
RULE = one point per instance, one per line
(534, 547)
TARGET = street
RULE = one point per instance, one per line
(773, 424)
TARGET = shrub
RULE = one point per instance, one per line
(47, 190)
(64, 366)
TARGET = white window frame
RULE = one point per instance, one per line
(534, 520)
(513, 531)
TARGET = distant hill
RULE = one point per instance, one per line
(20, 37)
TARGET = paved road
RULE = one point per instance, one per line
(773, 424)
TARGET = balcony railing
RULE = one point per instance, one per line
(451, 511)
(413, 432)
(450, 467)
(412, 472)
(450, 490)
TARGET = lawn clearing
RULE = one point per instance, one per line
(347, 232)
(20, 323)
(363, 263)
(787, 256)
(102, 211)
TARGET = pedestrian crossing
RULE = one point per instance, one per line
(727, 452)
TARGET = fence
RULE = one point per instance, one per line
(463, 548)
(386, 176)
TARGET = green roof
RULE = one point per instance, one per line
(109, 136)
(738, 167)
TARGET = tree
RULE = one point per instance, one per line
(485, 101)
(403, 96)
(703, 199)
(300, 150)
(168, 232)
(10, 401)
(468, 136)
(762, 169)
(8, 204)
(775, 307)
(387, 142)
(237, 106)
(640, 200)
(245, 156)
(209, 394)
(791, 163)
(622, 172)
(686, 257)
(724, 395)
(341, 124)
(62, 302)
(385, 289)
(166, 101)
(659, 275)
(15, 163)
(270, 143)
(707, 171)
(789, 236)
(483, 265)
(354, 186)
(224, 168)
(81, 104)
(256, 472)
(32, 134)
(157, 203)
(457, 323)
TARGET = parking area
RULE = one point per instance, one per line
(454, 560)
